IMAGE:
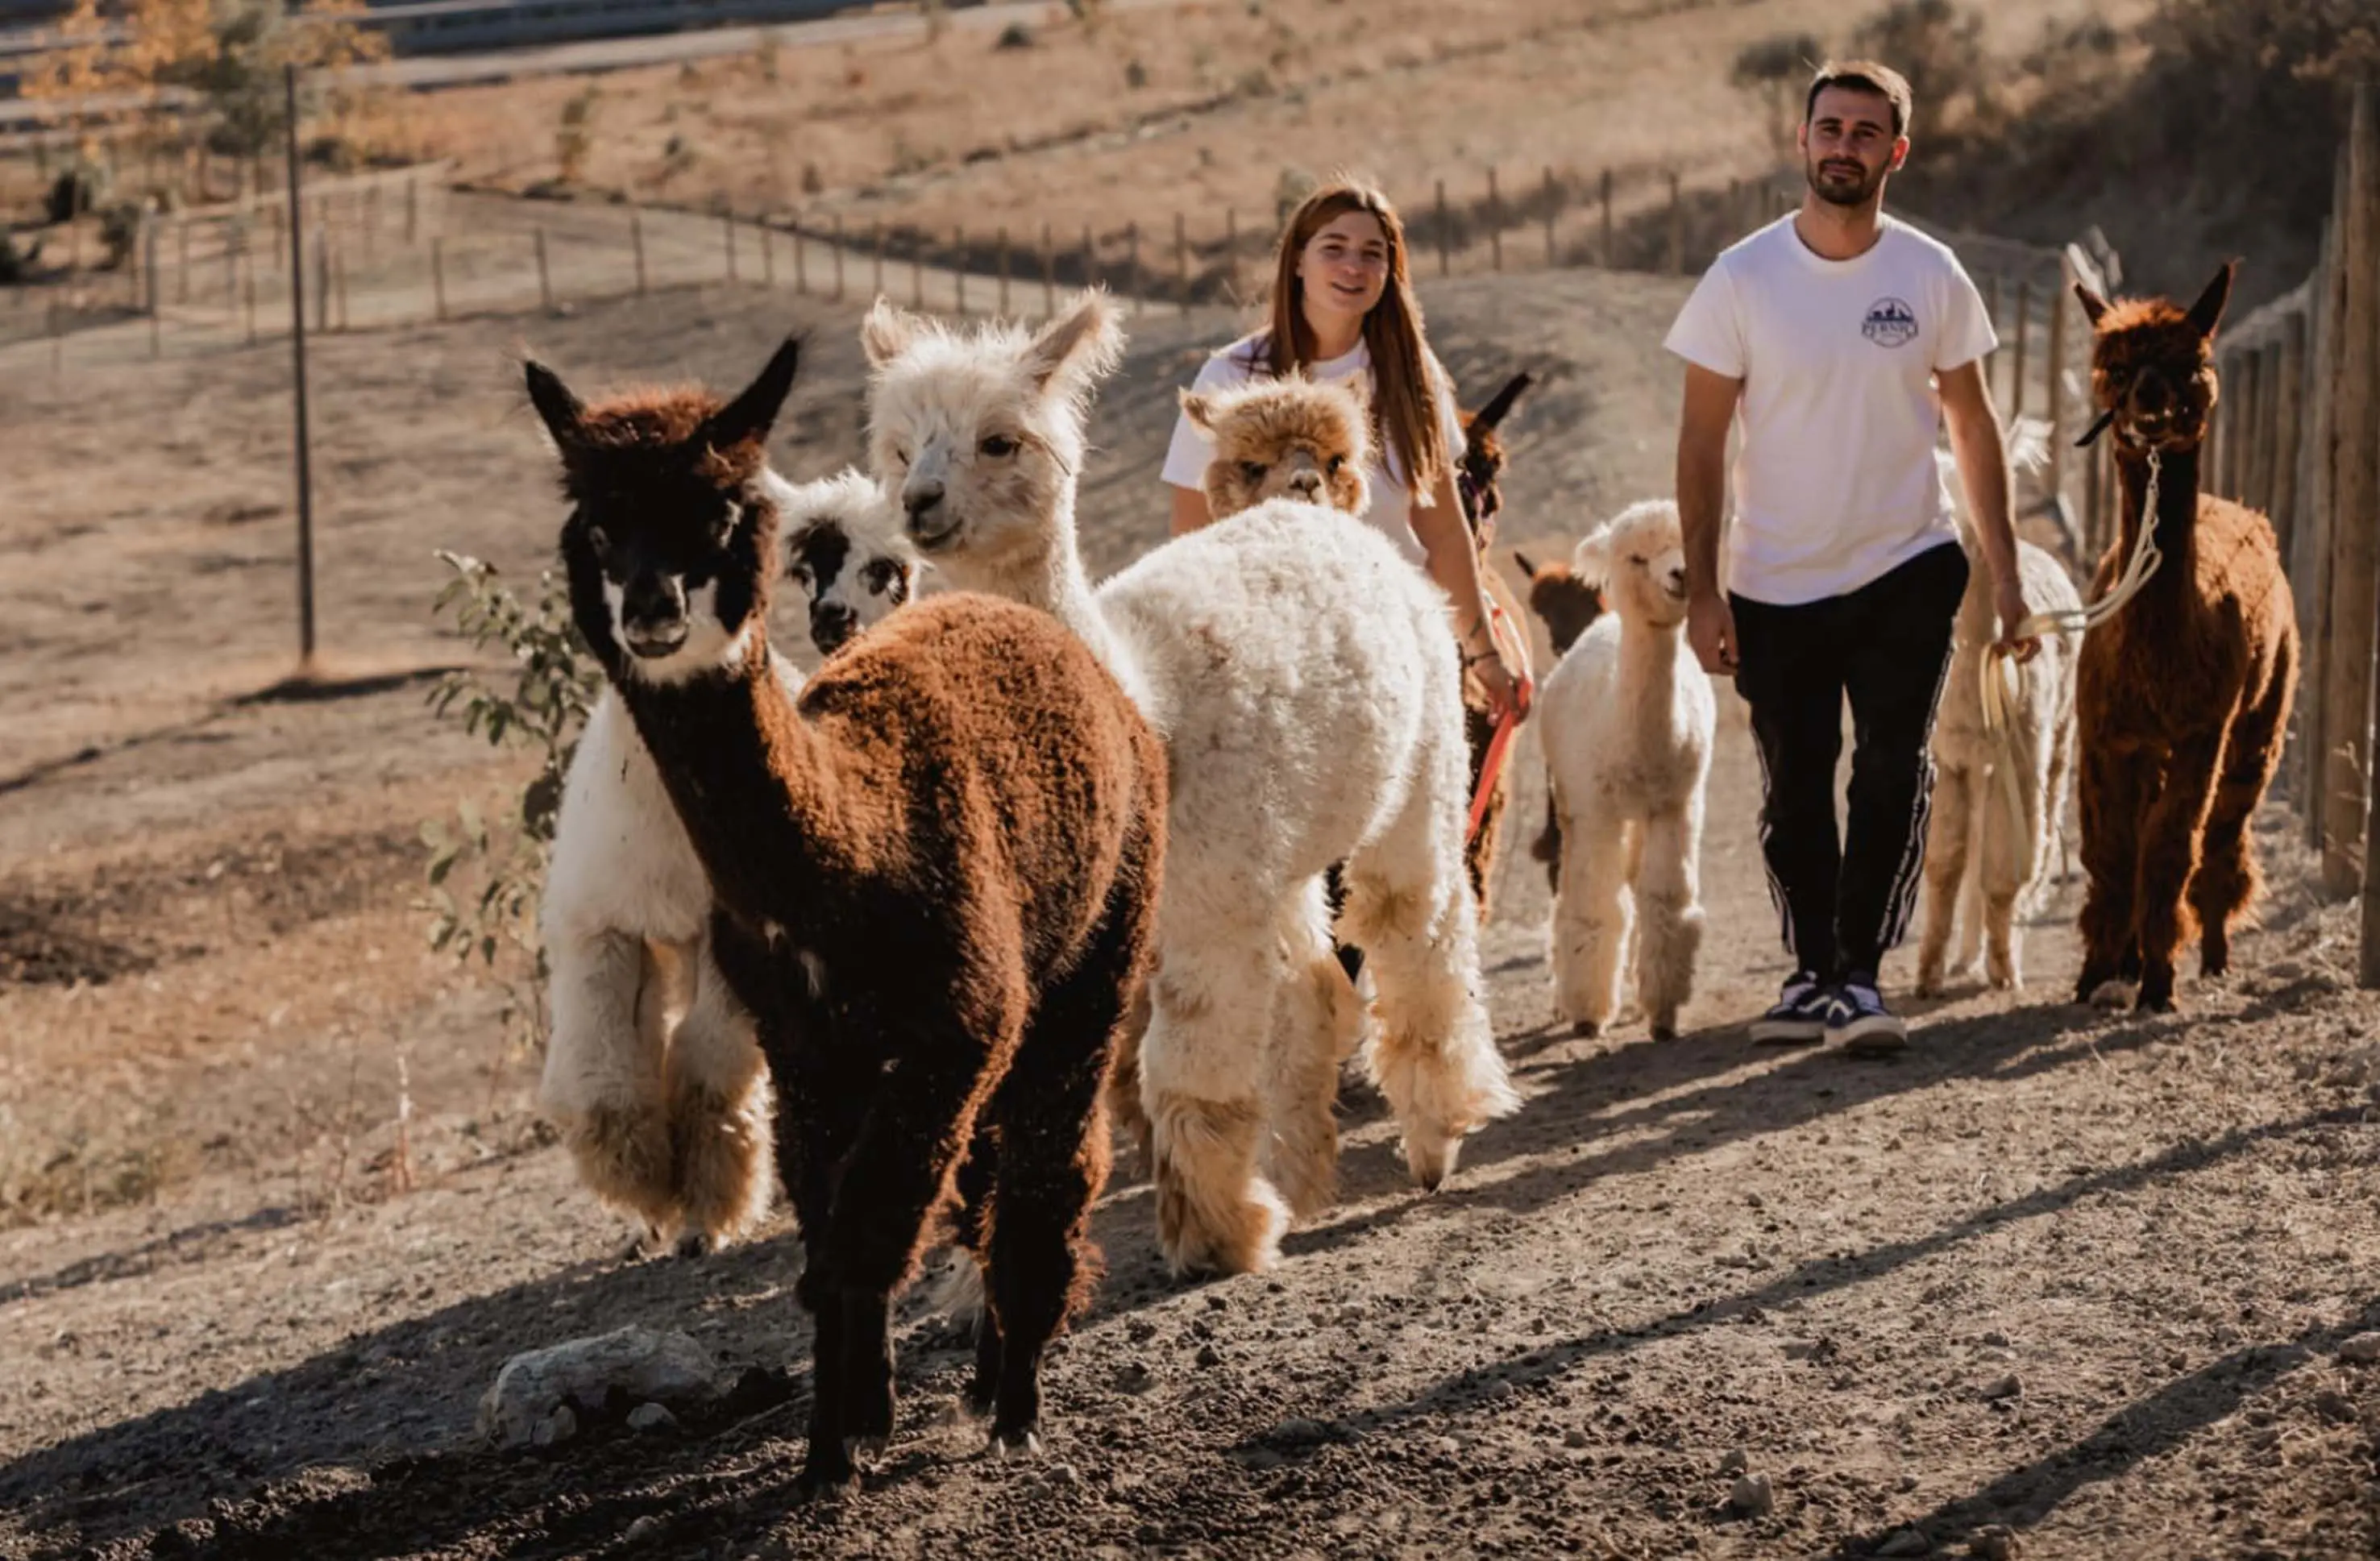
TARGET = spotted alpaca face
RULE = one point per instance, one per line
(977, 435)
(669, 543)
(846, 553)
(1638, 558)
(1284, 438)
(1566, 603)
(2152, 365)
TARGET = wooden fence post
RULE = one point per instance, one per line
(1553, 255)
(2288, 420)
(413, 209)
(2312, 558)
(1607, 256)
(323, 279)
(2024, 329)
(2061, 299)
(248, 296)
(1677, 229)
(2356, 497)
(438, 273)
(1445, 233)
(1494, 223)
(636, 242)
(182, 260)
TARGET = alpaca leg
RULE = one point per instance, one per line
(1669, 915)
(721, 1116)
(1946, 868)
(1590, 922)
(2227, 881)
(2170, 841)
(2113, 790)
(1211, 1002)
(971, 1232)
(602, 1080)
(1433, 1053)
(1053, 1161)
(1124, 1108)
(1547, 847)
(1318, 1023)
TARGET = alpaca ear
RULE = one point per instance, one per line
(564, 412)
(2207, 312)
(2093, 305)
(1199, 408)
(1591, 561)
(748, 418)
(1500, 404)
(1522, 560)
(1079, 345)
(887, 332)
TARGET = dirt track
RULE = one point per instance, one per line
(2162, 1229)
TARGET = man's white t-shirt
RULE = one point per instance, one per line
(1390, 510)
(1835, 483)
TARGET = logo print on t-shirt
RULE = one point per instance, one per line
(1890, 323)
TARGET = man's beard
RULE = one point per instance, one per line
(1839, 193)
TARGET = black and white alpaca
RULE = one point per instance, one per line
(663, 1103)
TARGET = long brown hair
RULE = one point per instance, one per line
(1405, 402)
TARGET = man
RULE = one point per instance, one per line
(1843, 339)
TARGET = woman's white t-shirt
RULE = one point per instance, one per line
(1835, 484)
(1390, 510)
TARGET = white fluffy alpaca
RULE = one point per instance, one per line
(1306, 680)
(662, 1097)
(1999, 802)
(1626, 718)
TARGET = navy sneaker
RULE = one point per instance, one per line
(1860, 1021)
(1800, 1015)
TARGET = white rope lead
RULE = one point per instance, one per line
(1999, 692)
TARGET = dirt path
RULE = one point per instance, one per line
(2161, 1230)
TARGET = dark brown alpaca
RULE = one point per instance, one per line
(1568, 605)
(1478, 476)
(935, 877)
(2182, 698)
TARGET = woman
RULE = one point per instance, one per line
(1342, 304)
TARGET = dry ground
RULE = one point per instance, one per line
(228, 1332)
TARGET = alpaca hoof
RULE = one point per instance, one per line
(2113, 995)
(1929, 986)
(2154, 1002)
(825, 1479)
(1432, 1161)
(1586, 1029)
(1665, 1032)
(1018, 1442)
(694, 1243)
(864, 1449)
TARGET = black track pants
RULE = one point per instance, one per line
(1886, 646)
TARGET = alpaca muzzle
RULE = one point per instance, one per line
(833, 622)
(653, 616)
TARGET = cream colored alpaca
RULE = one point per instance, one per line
(659, 1092)
(1304, 679)
(2000, 803)
(1626, 718)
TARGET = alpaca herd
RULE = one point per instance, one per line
(1034, 860)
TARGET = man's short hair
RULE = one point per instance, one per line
(1865, 75)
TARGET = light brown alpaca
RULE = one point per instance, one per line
(2182, 698)
(1284, 438)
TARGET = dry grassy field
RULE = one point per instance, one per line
(1193, 109)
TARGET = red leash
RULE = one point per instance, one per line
(1489, 769)
(1492, 765)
